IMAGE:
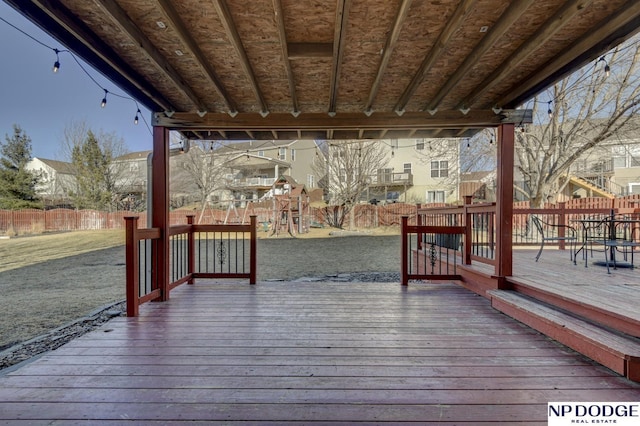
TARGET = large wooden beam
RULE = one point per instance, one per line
(160, 209)
(342, 121)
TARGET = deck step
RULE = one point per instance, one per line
(614, 350)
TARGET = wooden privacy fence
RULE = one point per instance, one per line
(31, 221)
(195, 251)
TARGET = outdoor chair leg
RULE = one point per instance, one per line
(540, 251)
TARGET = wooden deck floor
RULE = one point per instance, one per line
(305, 353)
(617, 293)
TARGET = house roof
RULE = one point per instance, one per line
(138, 155)
(343, 69)
(59, 166)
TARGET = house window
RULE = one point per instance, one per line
(407, 167)
(439, 169)
(260, 153)
(282, 154)
(420, 145)
(384, 175)
(619, 161)
(293, 154)
(435, 196)
(311, 181)
(634, 162)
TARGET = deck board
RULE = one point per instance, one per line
(308, 352)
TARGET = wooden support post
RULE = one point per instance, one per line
(132, 262)
(160, 209)
(404, 273)
(468, 234)
(191, 263)
(504, 204)
(253, 251)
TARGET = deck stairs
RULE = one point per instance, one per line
(616, 350)
(590, 186)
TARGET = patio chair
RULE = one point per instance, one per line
(550, 232)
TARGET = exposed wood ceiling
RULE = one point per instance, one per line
(342, 69)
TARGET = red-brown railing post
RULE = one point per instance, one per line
(468, 236)
(562, 220)
(191, 262)
(253, 261)
(403, 252)
(132, 265)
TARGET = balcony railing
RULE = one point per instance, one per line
(253, 181)
(391, 179)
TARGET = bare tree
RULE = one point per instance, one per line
(591, 106)
(347, 167)
(200, 171)
(99, 178)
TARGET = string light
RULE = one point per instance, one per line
(549, 109)
(56, 68)
(607, 68)
(56, 64)
(104, 100)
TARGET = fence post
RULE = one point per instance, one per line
(132, 265)
(403, 251)
(191, 241)
(253, 261)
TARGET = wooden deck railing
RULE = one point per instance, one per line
(430, 252)
(195, 251)
(479, 222)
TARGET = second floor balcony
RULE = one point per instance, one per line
(391, 179)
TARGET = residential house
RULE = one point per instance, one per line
(57, 181)
(420, 171)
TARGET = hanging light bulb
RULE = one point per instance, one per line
(135, 120)
(491, 141)
(468, 144)
(104, 100)
(549, 110)
(607, 68)
(56, 64)
(392, 153)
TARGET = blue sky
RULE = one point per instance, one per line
(43, 103)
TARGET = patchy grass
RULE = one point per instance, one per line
(23, 251)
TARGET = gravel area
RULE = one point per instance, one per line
(47, 304)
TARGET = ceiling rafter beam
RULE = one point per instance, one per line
(339, 37)
(608, 33)
(389, 46)
(181, 30)
(383, 133)
(232, 32)
(568, 11)
(454, 23)
(282, 34)
(63, 25)
(120, 17)
(497, 31)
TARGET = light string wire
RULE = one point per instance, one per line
(138, 115)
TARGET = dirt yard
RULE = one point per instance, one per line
(48, 281)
